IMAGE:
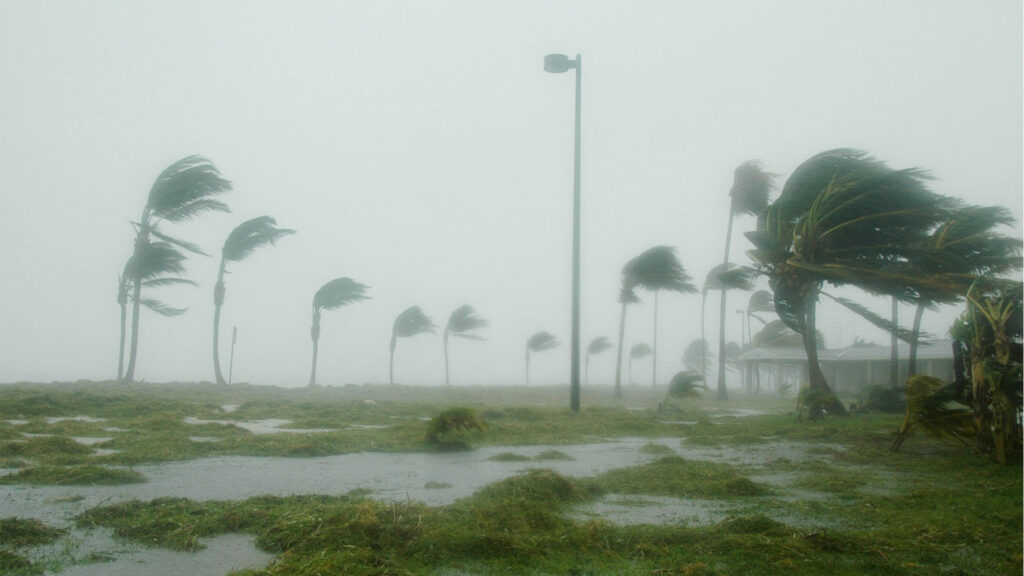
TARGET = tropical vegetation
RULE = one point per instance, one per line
(411, 322)
(461, 324)
(331, 296)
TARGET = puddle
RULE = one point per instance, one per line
(229, 408)
(17, 422)
(628, 510)
(205, 439)
(268, 426)
(739, 412)
(116, 429)
(89, 441)
(56, 419)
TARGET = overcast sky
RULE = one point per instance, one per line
(419, 147)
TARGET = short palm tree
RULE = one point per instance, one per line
(181, 192)
(751, 187)
(158, 264)
(331, 296)
(725, 276)
(412, 321)
(696, 355)
(655, 269)
(461, 323)
(539, 342)
(239, 245)
(638, 352)
(596, 346)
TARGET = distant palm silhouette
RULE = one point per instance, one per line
(461, 323)
(539, 342)
(331, 296)
(596, 346)
(409, 323)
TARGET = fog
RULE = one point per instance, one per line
(421, 149)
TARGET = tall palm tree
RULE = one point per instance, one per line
(156, 265)
(461, 323)
(968, 246)
(638, 352)
(846, 219)
(539, 342)
(181, 192)
(725, 276)
(239, 245)
(655, 269)
(596, 346)
(412, 321)
(331, 296)
(751, 187)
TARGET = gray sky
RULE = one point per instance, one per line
(420, 148)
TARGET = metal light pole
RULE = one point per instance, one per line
(558, 63)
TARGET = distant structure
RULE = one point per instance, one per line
(847, 369)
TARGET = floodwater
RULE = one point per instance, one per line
(435, 479)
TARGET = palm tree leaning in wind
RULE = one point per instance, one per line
(596, 346)
(331, 296)
(655, 269)
(638, 352)
(409, 323)
(725, 276)
(462, 321)
(751, 187)
(181, 192)
(539, 342)
(239, 245)
(158, 264)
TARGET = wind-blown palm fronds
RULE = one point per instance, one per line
(461, 323)
(241, 243)
(638, 352)
(539, 342)
(937, 408)
(696, 355)
(685, 384)
(596, 346)
(331, 296)
(655, 269)
(182, 191)
(725, 276)
(412, 321)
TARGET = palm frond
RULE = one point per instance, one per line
(251, 235)
(541, 341)
(628, 296)
(182, 183)
(193, 248)
(879, 321)
(696, 351)
(161, 308)
(760, 301)
(193, 209)
(641, 350)
(686, 384)
(751, 187)
(412, 321)
(938, 409)
(598, 345)
(776, 334)
(729, 276)
(463, 320)
(657, 268)
(156, 259)
(168, 281)
(339, 292)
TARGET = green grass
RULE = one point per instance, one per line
(85, 475)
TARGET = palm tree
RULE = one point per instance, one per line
(331, 296)
(182, 191)
(155, 264)
(655, 269)
(462, 321)
(596, 346)
(640, 351)
(725, 276)
(965, 246)
(539, 342)
(751, 187)
(760, 302)
(846, 219)
(409, 323)
(696, 355)
(239, 245)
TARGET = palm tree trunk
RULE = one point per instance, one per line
(723, 394)
(586, 370)
(703, 340)
(314, 333)
(141, 241)
(915, 335)
(527, 367)
(447, 382)
(815, 377)
(630, 363)
(391, 361)
(654, 358)
(120, 349)
(618, 358)
(894, 353)
(218, 301)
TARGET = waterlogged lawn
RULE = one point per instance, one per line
(808, 498)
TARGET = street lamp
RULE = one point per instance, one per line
(558, 63)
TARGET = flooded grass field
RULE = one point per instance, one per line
(98, 478)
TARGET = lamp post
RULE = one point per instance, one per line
(558, 63)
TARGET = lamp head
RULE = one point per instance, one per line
(557, 63)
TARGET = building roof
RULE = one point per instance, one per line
(933, 350)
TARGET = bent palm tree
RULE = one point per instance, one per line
(596, 346)
(725, 276)
(655, 269)
(239, 245)
(846, 219)
(539, 342)
(462, 321)
(640, 351)
(152, 265)
(751, 187)
(331, 296)
(696, 354)
(409, 323)
(181, 192)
